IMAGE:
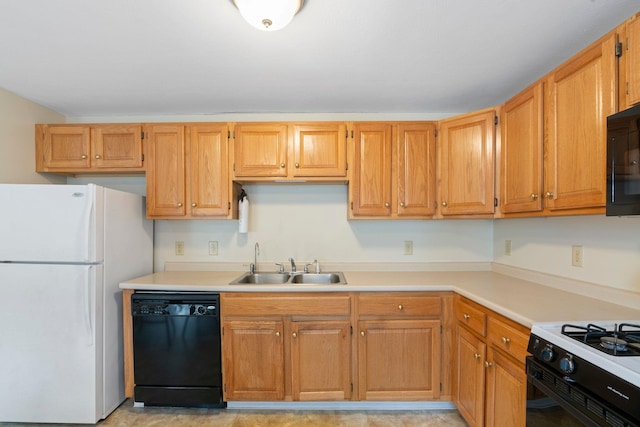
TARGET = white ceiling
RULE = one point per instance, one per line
(88, 58)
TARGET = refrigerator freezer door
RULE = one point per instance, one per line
(50, 223)
(51, 346)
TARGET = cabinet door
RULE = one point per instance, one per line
(166, 171)
(66, 147)
(581, 94)
(399, 359)
(467, 164)
(116, 146)
(470, 377)
(416, 169)
(371, 180)
(521, 152)
(321, 360)
(506, 396)
(253, 359)
(260, 150)
(633, 60)
(320, 150)
(207, 170)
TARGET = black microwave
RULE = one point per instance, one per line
(623, 162)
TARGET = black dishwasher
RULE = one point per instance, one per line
(176, 349)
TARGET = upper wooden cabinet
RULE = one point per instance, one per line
(297, 151)
(632, 60)
(89, 148)
(579, 95)
(521, 152)
(466, 164)
(187, 175)
(393, 174)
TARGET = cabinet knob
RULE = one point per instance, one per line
(194, 204)
(477, 355)
(386, 205)
(534, 196)
(294, 335)
(362, 333)
(549, 194)
(506, 340)
(297, 165)
(402, 204)
(277, 334)
(282, 165)
(84, 156)
(400, 307)
(97, 156)
(634, 162)
(466, 316)
(488, 364)
(179, 205)
(445, 204)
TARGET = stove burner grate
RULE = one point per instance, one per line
(622, 340)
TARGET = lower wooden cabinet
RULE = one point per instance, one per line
(490, 385)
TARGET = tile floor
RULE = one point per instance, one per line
(127, 415)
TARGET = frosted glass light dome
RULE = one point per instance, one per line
(268, 15)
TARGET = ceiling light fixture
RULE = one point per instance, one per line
(268, 15)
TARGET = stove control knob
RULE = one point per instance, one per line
(566, 364)
(547, 353)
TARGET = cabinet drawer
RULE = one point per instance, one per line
(508, 338)
(472, 317)
(285, 305)
(399, 305)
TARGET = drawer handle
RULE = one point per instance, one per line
(84, 156)
(97, 156)
(362, 333)
(477, 355)
(400, 307)
(466, 316)
(294, 335)
(282, 165)
(277, 334)
(488, 364)
(179, 205)
(194, 204)
(506, 340)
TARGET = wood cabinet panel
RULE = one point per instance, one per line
(470, 377)
(509, 338)
(321, 360)
(67, 148)
(467, 164)
(633, 60)
(399, 305)
(506, 391)
(579, 96)
(521, 152)
(166, 171)
(251, 304)
(471, 316)
(260, 150)
(399, 359)
(416, 148)
(117, 146)
(320, 150)
(253, 359)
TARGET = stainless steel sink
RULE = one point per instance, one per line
(262, 278)
(319, 278)
(293, 279)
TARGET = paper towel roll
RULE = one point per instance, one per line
(243, 215)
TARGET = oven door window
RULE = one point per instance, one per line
(543, 410)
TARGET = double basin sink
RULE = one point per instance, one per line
(291, 278)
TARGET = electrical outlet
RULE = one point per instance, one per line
(213, 248)
(179, 248)
(576, 256)
(507, 247)
(408, 247)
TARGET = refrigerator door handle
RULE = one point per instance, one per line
(86, 226)
(88, 298)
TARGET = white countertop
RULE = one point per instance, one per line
(523, 301)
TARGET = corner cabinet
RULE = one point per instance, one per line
(76, 149)
(393, 174)
(399, 346)
(187, 175)
(466, 164)
(315, 151)
(490, 382)
(286, 346)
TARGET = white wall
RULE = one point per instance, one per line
(17, 142)
(611, 247)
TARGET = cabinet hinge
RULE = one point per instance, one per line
(351, 134)
(141, 134)
(229, 206)
(351, 387)
(440, 329)
(346, 133)
(495, 202)
(225, 388)
(618, 49)
(440, 386)
(142, 156)
(495, 120)
(626, 88)
(351, 329)
(435, 133)
(228, 134)
(234, 167)
(347, 166)
(351, 205)
(222, 331)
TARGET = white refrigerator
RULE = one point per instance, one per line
(64, 249)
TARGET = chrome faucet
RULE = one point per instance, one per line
(254, 267)
(293, 265)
